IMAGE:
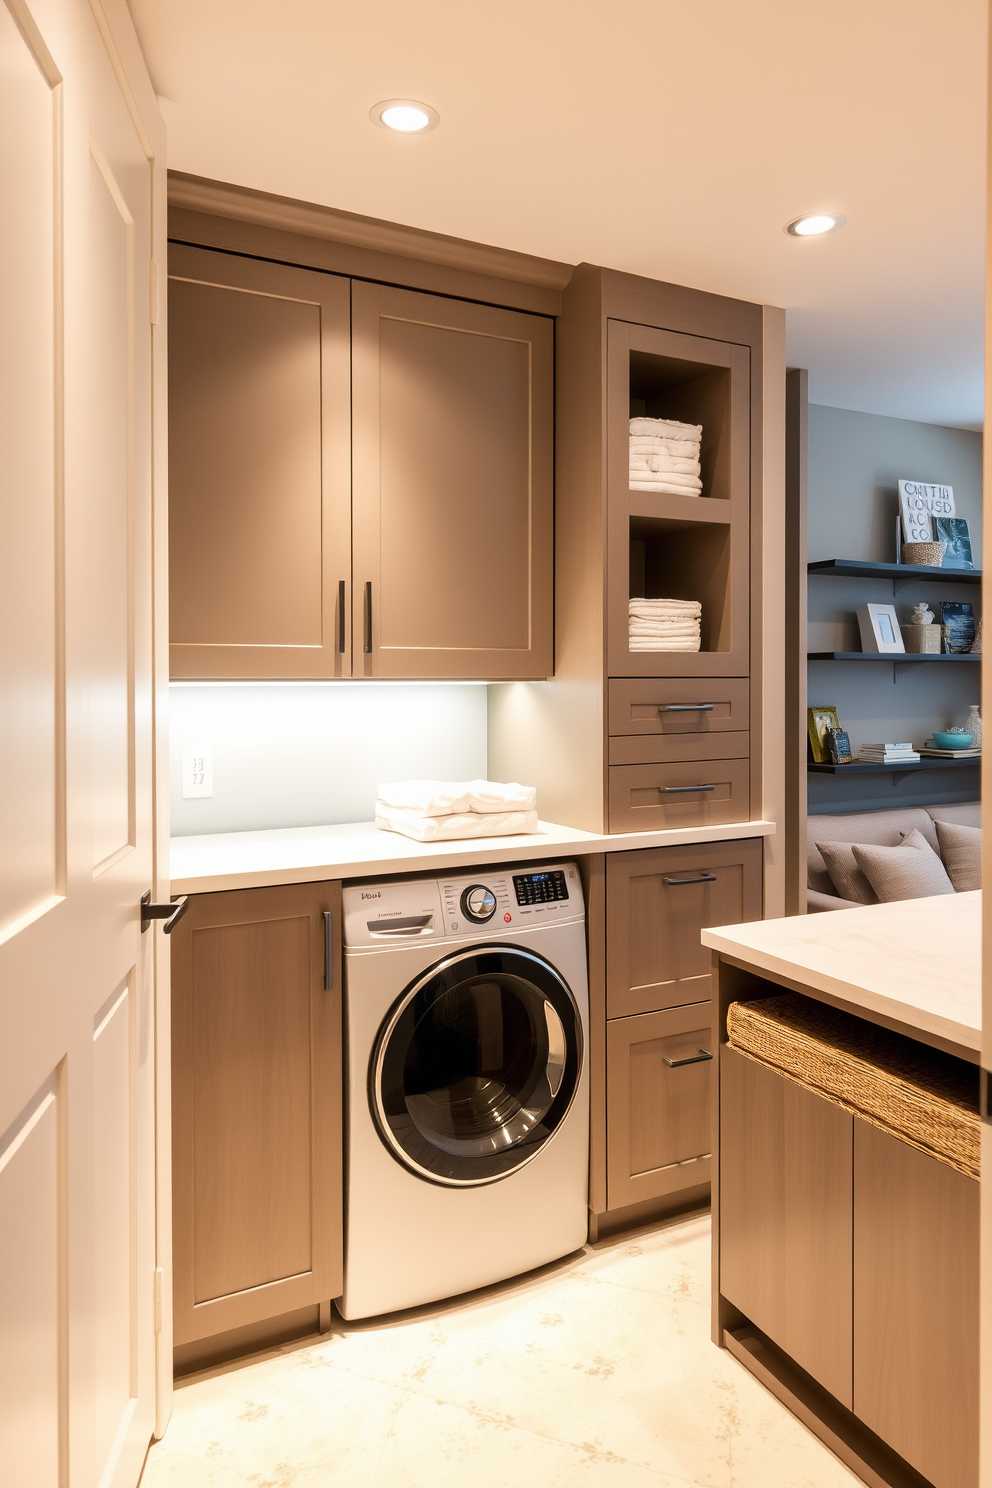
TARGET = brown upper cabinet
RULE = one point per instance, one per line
(453, 474)
(361, 478)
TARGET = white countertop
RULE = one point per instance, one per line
(916, 964)
(248, 860)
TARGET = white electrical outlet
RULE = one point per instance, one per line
(198, 771)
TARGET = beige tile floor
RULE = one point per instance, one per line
(599, 1371)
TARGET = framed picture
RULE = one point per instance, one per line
(880, 631)
(818, 721)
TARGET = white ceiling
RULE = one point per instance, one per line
(672, 138)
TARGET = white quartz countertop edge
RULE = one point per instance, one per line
(917, 962)
(247, 860)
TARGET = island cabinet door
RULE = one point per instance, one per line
(786, 1184)
(257, 1133)
(659, 1116)
(453, 487)
(657, 902)
(916, 1246)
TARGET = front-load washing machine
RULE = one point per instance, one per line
(467, 1105)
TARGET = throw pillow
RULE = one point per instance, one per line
(845, 875)
(912, 871)
(961, 850)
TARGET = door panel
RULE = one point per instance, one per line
(452, 433)
(658, 900)
(260, 468)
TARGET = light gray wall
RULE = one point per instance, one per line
(855, 462)
(307, 755)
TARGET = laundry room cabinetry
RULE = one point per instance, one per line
(361, 478)
(257, 1114)
(654, 1107)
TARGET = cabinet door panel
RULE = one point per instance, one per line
(259, 468)
(658, 901)
(916, 1239)
(452, 487)
(659, 1115)
(256, 1108)
(678, 705)
(649, 798)
(786, 1210)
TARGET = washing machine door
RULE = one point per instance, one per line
(476, 1065)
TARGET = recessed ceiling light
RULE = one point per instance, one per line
(815, 225)
(405, 116)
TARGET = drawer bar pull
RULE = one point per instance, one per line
(703, 878)
(686, 707)
(692, 1059)
(680, 790)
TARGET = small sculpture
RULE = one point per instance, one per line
(922, 615)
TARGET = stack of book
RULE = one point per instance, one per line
(930, 749)
(887, 754)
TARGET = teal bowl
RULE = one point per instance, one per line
(952, 741)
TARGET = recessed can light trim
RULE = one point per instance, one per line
(814, 224)
(404, 116)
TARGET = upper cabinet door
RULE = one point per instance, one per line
(453, 488)
(260, 468)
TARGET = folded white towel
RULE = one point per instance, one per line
(686, 449)
(664, 487)
(691, 484)
(449, 828)
(494, 795)
(664, 628)
(665, 428)
(664, 463)
(649, 607)
(655, 643)
(429, 797)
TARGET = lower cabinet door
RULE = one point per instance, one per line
(785, 1216)
(658, 1114)
(648, 798)
(257, 1114)
(916, 1249)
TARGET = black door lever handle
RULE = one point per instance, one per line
(171, 913)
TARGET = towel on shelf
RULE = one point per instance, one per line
(429, 797)
(449, 828)
(665, 463)
(675, 449)
(665, 429)
(687, 483)
(660, 487)
(494, 795)
(647, 608)
(666, 629)
(653, 643)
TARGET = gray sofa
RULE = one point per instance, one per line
(883, 829)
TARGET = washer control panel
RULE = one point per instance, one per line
(388, 915)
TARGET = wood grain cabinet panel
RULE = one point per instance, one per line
(453, 417)
(659, 1122)
(678, 706)
(257, 1122)
(705, 792)
(916, 1260)
(658, 901)
(786, 1213)
(259, 468)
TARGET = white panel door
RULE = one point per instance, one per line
(82, 183)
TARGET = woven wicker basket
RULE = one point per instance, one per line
(922, 639)
(924, 555)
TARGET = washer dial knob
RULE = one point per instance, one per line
(478, 904)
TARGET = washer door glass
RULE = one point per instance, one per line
(476, 1066)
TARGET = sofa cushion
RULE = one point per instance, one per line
(913, 871)
(961, 850)
(964, 813)
(845, 872)
(882, 828)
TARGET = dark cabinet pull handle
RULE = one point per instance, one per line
(686, 707)
(680, 790)
(368, 616)
(703, 878)
(341, 622)
(171, 913)
(692, 1059)
(328, 951)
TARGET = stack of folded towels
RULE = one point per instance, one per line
(440, 810)
(664, 456)
(664, 624)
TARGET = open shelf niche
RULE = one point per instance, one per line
(665, 546)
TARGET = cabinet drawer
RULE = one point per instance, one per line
(657, 903)
(673, 705)
(659, 1104)
(645, 798)
(657, 749)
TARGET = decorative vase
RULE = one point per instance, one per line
(973, 724)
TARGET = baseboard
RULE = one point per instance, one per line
(648, 1211)
(253, 1338)
(838, 1428)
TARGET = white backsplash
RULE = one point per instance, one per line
(312, 754)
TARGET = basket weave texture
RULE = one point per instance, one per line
(920, 1095)
(924, 555)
